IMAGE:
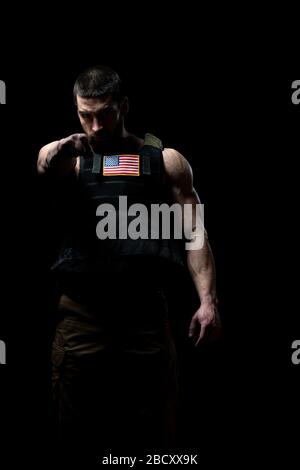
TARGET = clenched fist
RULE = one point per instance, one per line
(60, 156)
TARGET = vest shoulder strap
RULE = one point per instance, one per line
(153, 141)
(151, 153)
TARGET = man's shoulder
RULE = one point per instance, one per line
(175, 162)
(171, 153)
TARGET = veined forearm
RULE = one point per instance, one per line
(202, 268)
(50, 157)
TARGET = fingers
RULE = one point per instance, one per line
(86, 149)
(75, 145)
(82, 146)
(198, 330)
(203, 333)
(209, 333)
(193, 326)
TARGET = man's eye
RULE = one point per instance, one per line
(85, 115)
(106, 112)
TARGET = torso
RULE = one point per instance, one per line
(133, 143)
(129, 144)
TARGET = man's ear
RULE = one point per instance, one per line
(124, 106)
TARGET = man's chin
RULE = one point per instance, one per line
(98, 142)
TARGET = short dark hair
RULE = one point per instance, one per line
(97, 81)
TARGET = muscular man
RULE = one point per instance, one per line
(114, 368)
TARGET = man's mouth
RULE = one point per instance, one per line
(98, 137)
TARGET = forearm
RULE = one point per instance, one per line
(202, 269)
(50, 158)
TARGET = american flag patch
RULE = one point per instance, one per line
(117, 165)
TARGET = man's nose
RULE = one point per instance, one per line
(97, 125)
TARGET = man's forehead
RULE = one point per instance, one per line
(92, 104)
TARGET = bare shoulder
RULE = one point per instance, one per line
(176, 165)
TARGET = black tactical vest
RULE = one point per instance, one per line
(102, 180)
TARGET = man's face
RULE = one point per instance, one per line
(100, 118)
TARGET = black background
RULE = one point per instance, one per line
(237, 127)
